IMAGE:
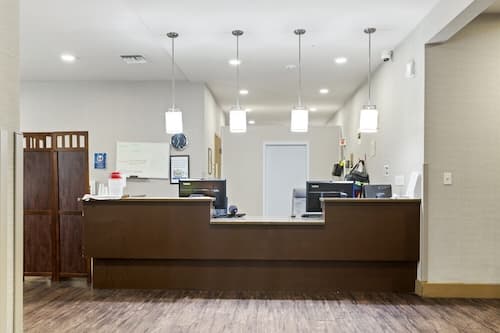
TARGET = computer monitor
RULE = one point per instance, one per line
(215, 188)
(326, 189)
(377, 191)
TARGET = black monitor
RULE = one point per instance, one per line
(377, 191)
(326, 189)
(215, 188)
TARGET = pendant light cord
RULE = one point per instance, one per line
(173, 75)
(369, 32)
(300, 70)
(370, 68)
(238, 71)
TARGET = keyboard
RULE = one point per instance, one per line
(312, 214)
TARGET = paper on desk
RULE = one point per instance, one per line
(89, 197)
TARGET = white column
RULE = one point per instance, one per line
(10, 258)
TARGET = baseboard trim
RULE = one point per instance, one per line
(456, 290)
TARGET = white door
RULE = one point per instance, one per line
(285, 168)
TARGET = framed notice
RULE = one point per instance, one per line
(210, 161)
(100, 160)
(179, 168)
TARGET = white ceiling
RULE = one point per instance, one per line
(98, 32)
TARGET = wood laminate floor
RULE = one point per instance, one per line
(72, 306)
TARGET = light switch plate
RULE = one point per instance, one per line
(447, 178)
(410, 70)
(399, 180)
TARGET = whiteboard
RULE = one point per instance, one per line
(143, 159)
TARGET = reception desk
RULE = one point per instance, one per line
(359, 245)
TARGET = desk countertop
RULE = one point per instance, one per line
(268, 220)
(146, 199)
(369, 200)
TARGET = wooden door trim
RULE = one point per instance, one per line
(37, 212)
(55, 219)
(71, 212)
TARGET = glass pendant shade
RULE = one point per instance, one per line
(173, 121)
(173, 117)
(368, 119)
(237, 120)
(237, 115)
(300, 120)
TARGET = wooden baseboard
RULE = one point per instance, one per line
(456, 290)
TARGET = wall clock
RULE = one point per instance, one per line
(179, 141)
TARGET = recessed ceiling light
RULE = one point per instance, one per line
(248, 110)
(251, 122)
(234, 62)
(243, 92)
(313, 109)
(66, 57)
(324, 91)
(340, 60)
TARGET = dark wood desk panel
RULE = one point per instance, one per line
(156, 230)
(255, 275)
(362, 245)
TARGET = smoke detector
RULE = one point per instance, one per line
(133, 59)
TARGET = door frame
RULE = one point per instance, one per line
(280, 143)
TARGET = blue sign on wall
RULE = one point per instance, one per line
(100, 160)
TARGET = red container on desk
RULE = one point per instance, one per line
(116, 175)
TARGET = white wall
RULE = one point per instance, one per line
(401, 103)
(242, 156)
(121, 111)
(10, 283)
(462, 119)
(400, 140)
(213, 121)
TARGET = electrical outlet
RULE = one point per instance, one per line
(386, 170)
(447, 178)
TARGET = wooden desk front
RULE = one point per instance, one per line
(173, 243)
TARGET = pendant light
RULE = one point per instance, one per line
(237, 115)
(173, 117)
(368, 118)
(300, 114)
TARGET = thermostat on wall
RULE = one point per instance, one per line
(410, 70)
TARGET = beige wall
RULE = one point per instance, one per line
(9, 122)
(462, 136)
(122, 111)
(242, 159)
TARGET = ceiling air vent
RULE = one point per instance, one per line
(133, 59)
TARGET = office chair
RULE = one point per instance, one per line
(298, 201)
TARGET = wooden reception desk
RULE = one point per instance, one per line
(360, 245)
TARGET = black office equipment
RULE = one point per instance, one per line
(326, 189)
(377, 191)
(215, 188)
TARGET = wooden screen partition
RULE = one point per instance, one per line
(55, 175)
